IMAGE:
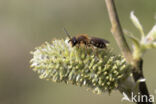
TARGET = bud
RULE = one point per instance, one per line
(140, 46)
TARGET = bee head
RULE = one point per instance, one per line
(73, 41)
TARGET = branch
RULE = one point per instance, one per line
(117, 31)
(121, 41)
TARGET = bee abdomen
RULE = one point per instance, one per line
(98, 45)
(98, 42)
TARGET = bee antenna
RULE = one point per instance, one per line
(67, 33)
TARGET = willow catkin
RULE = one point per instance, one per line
(96, 69)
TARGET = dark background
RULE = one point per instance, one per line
(25, 24)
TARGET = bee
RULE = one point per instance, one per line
(87, 41)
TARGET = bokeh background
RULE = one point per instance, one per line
(25, 24)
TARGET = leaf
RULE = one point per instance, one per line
(137, 23)
(133, 38)
(152, 34)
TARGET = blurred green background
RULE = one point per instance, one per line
(25, 24)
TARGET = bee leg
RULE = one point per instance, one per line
(95, 50)
(92, 47)
(86, 45)
(78, 45)
(69, 41)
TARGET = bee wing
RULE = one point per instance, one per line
(106, 41)
(100, 40)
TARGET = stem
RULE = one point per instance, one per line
(121, 41)
(117, 30)
(142, 85)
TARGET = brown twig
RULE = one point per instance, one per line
(117, 30)
(121, 41)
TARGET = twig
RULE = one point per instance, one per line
(121, 41)
(117, 30)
